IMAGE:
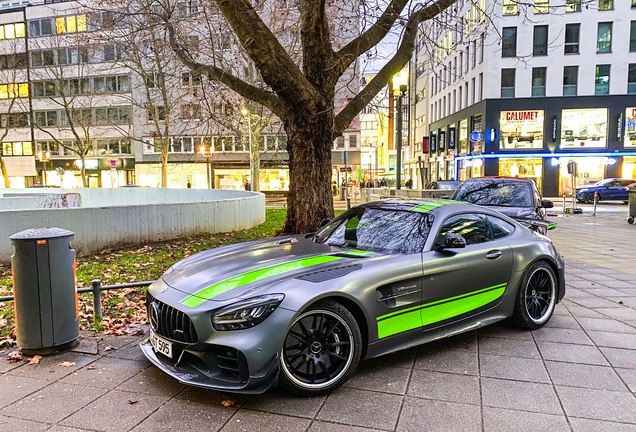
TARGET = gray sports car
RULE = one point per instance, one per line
(303, 310)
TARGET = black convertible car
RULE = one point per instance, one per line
(303, 310)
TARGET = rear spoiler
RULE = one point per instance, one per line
(530, 223)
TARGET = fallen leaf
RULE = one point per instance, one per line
(108, 348)
(35, 359)
(14, 357)
(66, 364)
(227, 403)
(91, 367)
(132, 401)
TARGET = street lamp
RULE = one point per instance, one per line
(44, 157)
(205, 150)
(255, 173)
(400, 82)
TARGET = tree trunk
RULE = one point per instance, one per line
(309, 145)
(164, 168)
(5, 176)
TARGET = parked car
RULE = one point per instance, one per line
(303, 310)
(515, 197)
(443, 184)
(611, 189)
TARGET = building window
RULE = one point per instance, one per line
(602, 80)
(155, 80)
(510, 7)
(42, 58)
(481, 48)
(481, 86)
(340, 142)
(70, 24)
(16, 149)
(12, 91)
(509, 48)
(45, 118)
(112, 52)
(541, 6)
(521, 129)
(14, 61)
(540, 40)
(538, 82)
(631, 79)
(632, 37)
(12, 31)
(353, 141)
(584, 128)
(605, 5)
(41, 27)
(156, 113)
(604, 37)
(508, 83)
(472, 94)
(572, 34)
(570, 80)
(573, 5)
(474, 53)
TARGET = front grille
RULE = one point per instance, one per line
(171, 323)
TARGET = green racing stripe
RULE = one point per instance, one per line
(436, 311)
(428, 206)
(245, 278)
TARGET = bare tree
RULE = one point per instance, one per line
(303, 94)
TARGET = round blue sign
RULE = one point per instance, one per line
(475, 136)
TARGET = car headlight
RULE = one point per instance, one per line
(579, 191)
(246, 314)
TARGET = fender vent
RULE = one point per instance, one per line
(325, 275)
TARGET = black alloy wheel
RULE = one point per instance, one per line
(321, 350)
(589, 198)
(536, 298)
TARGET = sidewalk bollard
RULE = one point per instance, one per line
(564, 197)
(595, 201)
(96, 284)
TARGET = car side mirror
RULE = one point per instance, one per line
(325, 222)
(452, 241)
(547, 204)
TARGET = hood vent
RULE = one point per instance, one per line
(325, 275)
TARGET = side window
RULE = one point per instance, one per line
(500, 228)
(627, 182)
(475, 228)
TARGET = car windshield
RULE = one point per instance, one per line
(496, 193)
(378, 230)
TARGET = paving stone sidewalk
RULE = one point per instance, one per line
(578, 373)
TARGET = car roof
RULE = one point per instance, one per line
(498, 178)
(421, 205)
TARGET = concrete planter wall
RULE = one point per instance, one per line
(130, 216)
(373, 194)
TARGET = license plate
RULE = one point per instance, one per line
(161, 345)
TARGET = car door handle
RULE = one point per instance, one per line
(493, 254)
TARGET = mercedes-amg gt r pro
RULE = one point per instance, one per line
(303, 310)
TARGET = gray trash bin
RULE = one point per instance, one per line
(45, 304)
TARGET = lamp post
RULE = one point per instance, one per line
(400, 81)
(207, 153)
(255, 173)
(44, 157)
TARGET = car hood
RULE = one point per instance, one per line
(239, 270)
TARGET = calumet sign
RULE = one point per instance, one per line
(523, 115)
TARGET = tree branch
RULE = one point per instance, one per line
(272, 60)
(393, 66)
(214, 73)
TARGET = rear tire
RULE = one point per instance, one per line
(536, 297)
(321, 350)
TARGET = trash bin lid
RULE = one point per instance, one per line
(41, 233)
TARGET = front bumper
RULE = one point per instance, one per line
(194, 368)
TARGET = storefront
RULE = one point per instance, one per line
(271, 179)
(531, 168)
(521, 129)
(589, 171)
(584, 128)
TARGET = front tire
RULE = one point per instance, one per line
(589, 198)
(321, 350)
(536, 297)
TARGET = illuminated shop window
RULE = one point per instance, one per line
(12, 91)
(70, 24)
(12, 31)
(521, 129)
(583, 128)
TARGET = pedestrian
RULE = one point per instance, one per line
(409, 184)
(189, 185)
(334, 188)
(248, 186)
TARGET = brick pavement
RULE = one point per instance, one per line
(576, 374)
